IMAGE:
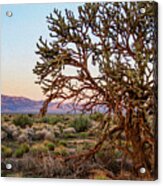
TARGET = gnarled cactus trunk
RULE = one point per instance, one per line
(137, 138)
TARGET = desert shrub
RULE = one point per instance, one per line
(118, 154)
(6, 151)
(97, 116)
(69, 135)
(18, 153)
(50, 119)
(39, 148)
(24, 148)
(51, 146)
(30, 115)
(61, 150)
(56, 119)
(44, 119)
(100, 154)
(6, 118)
(83, 135)
(81, 124)
(63, 143)
(79, 148)
(44, 166)
(87, 145)
(23, 121)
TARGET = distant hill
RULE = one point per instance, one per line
(12, 104)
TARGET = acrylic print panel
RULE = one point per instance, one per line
(79, 90)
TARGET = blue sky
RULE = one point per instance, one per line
(19, 35)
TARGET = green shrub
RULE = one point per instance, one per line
(63, 143)
(83, 135)
(18, 153)
(6, 151)
(55, 119)
(24, 148)
(87, 145)
(97, 116)
(62, 151)
(39, 148)
(50, 119)
(100, 154)
(51, 146)
(69, 135)
(23, 121)
(118, 154)
(81, 124)
(45, 120)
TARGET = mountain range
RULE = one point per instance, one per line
(13, 104)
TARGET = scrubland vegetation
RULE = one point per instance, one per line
(39, 147)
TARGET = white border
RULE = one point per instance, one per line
(62, 182)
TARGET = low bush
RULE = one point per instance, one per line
(23, 121)
(97, 116)
(6, 118)
(51, 146)
(18, 153)
(63, 143)
(44, 120)
(24, 148)
(56, 119)
(51, 119)
(69, 135)
(6, 151)
(61, 150)
(39, 148)
(83, 135)
(31, 115)
(81, 124)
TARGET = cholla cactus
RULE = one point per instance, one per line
(120, 42)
